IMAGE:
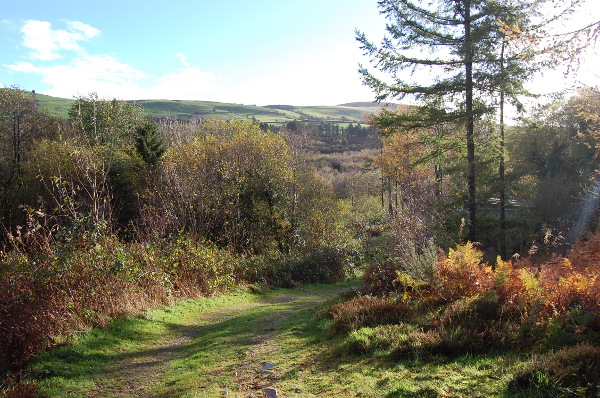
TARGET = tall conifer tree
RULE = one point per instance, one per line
(453, 51)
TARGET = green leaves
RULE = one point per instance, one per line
(232, 184)
(106, 121)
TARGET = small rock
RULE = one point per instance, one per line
(224, 393)
(267, 366)
(269, 393)
(267, 372)
(297, 390)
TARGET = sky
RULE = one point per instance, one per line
(261, 52)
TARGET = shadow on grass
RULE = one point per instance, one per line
(465, 375)
(136, 351)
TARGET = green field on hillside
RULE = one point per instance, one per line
(272, 114)
(54, 105)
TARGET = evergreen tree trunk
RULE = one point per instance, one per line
(470, 124)
(501, 171)
(438, 179)
(389, 195)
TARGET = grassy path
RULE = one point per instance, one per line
(251, 345)
(136, 374)
(205, 347)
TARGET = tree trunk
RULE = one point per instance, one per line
(470, 125)
(501, 171)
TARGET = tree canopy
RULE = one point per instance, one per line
(460, 60)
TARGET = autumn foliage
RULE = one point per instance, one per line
(470, 306)
(461, 273)
(545, 291)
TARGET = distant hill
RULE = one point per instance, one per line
(54, 105)
(353, 112)
(368, 105)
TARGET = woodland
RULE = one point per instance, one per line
(467, 234)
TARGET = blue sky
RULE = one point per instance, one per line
(253, 52)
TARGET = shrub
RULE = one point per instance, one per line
(461, 274)
(255, 269)
(322, 265)
(421, 264)
(232, 184)
(551, 293)
(576, 290)
(470, 308)
(420, 345)
(18, 389)
(479, 324)
(366, 311)
(571, 327)
(586, 253)
(573, 371)
(473, 313)
(379, 279)
(198, 268)
(47, 296)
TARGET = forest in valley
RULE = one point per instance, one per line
(468, 234)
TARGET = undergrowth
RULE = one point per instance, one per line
(48, 296)
(568, 372)
(467, 306)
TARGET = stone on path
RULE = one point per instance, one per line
(269, 393)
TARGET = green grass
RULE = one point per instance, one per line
(225, 352)
(54, 105)
(335, 113)
(185, 108)
(262, 114)
(177, 108)
(74, 370)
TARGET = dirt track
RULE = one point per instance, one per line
(137, 374)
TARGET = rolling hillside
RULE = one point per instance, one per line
(272, 114)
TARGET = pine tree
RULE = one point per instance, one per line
(148, 144)
(447, 54)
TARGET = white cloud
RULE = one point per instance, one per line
(46, 43)
(86, 30)
(189, 83)
(183, 58)
(82, 73)
(110, 78)
(331, 81)
(26, 67)
(102, 74)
